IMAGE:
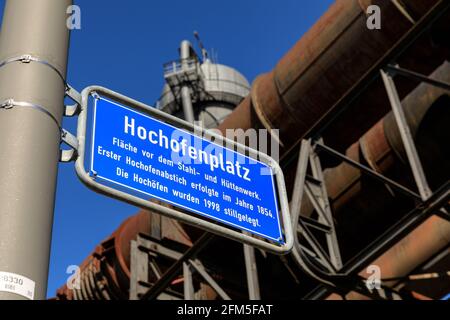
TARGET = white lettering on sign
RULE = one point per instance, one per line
(215, 162)
(15, 283)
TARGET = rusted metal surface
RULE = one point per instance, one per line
(416, 248)
(383, 151)
(105, 274)
(325, 64)
(306, 84)
(381, 147)
(423, 96)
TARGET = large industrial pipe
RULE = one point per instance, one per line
(186, 99)
(105, 274)
(326, 64)
(381, 148)
(415, 249)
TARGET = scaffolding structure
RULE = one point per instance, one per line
(322, 263)
(321, 260)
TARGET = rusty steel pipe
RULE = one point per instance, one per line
(105, 274)
(381, 149)
(325, 64)
(410, 252)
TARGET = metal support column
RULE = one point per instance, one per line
(198, 266)
(138, 270)
(144, 270)
(33, 56)
(326, 217)
(410, 148)
(143, 252)
(252, 273)
(188, 109)
(188, 283)
(170, 274)
(315, 189)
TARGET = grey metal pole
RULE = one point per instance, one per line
(31, 99)
(188, 109)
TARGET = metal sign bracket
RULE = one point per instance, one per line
(74, 109)
(69, 139)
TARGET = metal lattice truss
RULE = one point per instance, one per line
(323, 262)
(319, 259)
(147, 282)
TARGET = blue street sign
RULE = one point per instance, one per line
(150, 157)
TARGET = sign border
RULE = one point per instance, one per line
(241, 236)
(171, 202)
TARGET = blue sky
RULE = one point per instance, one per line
(122, 45)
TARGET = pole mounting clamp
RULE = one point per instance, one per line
(11, 103)
(7, 104)
(72, 141)
(66, 136)
(27, 58)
